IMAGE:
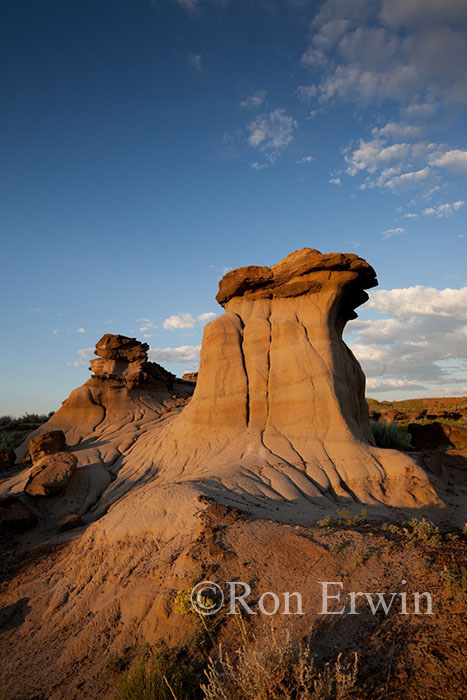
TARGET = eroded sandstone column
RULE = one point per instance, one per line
(279, 408)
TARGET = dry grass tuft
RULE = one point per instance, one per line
(273, 669)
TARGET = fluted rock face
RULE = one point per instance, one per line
(275, 362)
(279, 408)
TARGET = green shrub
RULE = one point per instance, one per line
(422, 531)
(10, 441)
(163, 674)
(34, 418)
(344, 519)
(390, 527)
(390, 435)
(455, 577)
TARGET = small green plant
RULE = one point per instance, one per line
(163, 674)
(421, 531)
(344, 519)
(455, 577)
(362, 556)
(390, 435)
(452, 537)
(390, 527)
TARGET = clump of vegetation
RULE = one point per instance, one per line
(270, 668)
(117, 663)
(7, 421)
(163, 674)
(275, 669)
(455, 577)
(423, 531)
(362, 556)
(390, 435)
(416, 531)
(11, 441)
(344, 519)
(14, 430)
(390, 527)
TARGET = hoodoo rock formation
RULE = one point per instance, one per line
(137, 503)
(126, 397)
(279, 409)
(277, 424)
(125, 387)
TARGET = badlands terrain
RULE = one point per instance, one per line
(261, 469)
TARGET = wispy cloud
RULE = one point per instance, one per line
(307, 92)
(84, 355)
(146, 327)
(191, 6)
(398, 130)
(195, 61)
(392, 232)
(254, 101)
(305, 159)
(271, 134)
(335, 180)
(68, 330)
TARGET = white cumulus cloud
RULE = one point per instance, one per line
(207, 316)
(419, 345)
(177, 321)
(443, 210)
(390, 49)
(454, 160)
(183, 353)
(187, 320)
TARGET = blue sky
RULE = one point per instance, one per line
(149, 146)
